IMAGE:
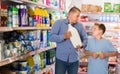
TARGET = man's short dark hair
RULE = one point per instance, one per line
(74, 9)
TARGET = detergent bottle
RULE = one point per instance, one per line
(30, 61)
(47, 20)
(30, 16)
(43, 18)
(37, 17)
(75, 38)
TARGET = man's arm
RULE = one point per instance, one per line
(55, 36)
(83, 36)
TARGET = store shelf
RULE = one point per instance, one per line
(112, 63)
(99, 22)
(110, 30)
(15, 58)
(31, 28)
(5, 29)
(100, 13)
(37, 4)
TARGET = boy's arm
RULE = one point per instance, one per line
(89, 53)
(110, 54)
(103, 55)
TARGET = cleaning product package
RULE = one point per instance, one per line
(76, 39)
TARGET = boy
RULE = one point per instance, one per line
(99, 49)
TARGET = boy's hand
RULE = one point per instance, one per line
(95, 55)
(102, 55)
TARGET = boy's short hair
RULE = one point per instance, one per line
(74, 9)
(101, 27)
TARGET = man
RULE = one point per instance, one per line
(66, 55)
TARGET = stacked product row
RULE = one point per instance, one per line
(16, 43)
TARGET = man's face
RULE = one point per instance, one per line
(74, 17)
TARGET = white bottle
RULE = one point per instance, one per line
(75, 38)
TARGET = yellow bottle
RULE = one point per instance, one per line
(30, 61)
(47, 20)
(37, 17)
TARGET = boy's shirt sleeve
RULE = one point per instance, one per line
(111, 47)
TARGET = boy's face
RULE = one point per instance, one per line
(96, 31)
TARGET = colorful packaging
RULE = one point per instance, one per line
(116, 8)
(9, 23)
(107, 7)
(15, 16)
(30, 61)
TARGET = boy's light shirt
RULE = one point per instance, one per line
(99, 66)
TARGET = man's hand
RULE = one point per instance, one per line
(67, 34)
(79, 47)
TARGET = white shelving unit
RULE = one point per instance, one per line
(6, 29)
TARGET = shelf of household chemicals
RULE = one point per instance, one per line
(5, 29)
(15, 58)
(48, 68)
(37, 4)
(31, 28)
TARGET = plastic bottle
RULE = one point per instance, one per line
(22, 17)
(47, 2)
(30, 16)
(43, 18)
(37, 17)
(75, 38)
(30, 61)
(107, 18)
(42, 60)
(36, 59)
(9, 23)
(47, 20)
(15, 16)
(40, 17)
(44, 38)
